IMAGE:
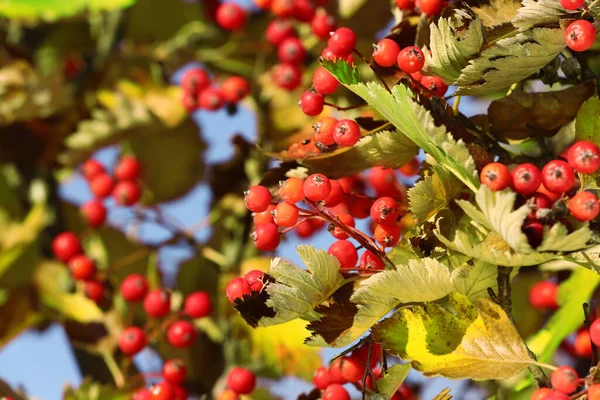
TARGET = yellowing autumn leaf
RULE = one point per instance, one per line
(479, 343)
(282, 347)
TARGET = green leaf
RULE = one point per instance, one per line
(345, 72)
(413, 120)
(297, 291)
(534, 13)
(498, 12)
(474, 279)
(393, 378)
(453, 41)
(571, 295)
(90, 390)
(348, 8)
(51, 10)
(510, 60)
(587, 124)
(433, 194)
(479, 344)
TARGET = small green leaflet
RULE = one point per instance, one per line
(297, 291)
(433, 194)
(345, 72)
(393, 378)
(536, 13)
(348, 8)
(587, 123)
(510, 60)
(452, 46)
(50, 10)
(571, 295)
(473, 280)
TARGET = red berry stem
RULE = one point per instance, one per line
(345, 108)
(300, 221)
(162, 328)
(588, 323)
(370, 64)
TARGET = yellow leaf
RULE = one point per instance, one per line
(166, 104)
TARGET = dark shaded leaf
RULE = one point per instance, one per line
(314, 394)
(17, 313)
(337, 318)
(549, 74)
(253, 307)
(571, 68)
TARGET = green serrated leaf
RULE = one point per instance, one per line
(433, 194)
(393, 378)
(497, 12)
(90, 390)
(473, 280)
(510, 60)
(345, 72)
(587, 123)
(535, 13)
(453, 41)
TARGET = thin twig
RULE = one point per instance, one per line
(358, 53)
(345, 108)
(112, 366)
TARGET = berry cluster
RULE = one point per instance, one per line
(580, 34)
(200, 92)
(237, 288)
(564, 382)
(552, 192)
(240, 381)
(173, 374)
(427, 7)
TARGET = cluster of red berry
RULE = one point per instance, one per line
(199, 91)
(564, 382)
(173, 374)
(547, 191)
(237, 288)
(240, 381)
(351, 369)
(580, 34)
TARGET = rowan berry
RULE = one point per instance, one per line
(190, 102)
(594, 392)
(231, 16)
(353, 368)
(386, 53)
(595, 332)
(234, 89)
(278, 30)
(526, 178)
(163, 391)
(376, 353)
(538, 201)
(283, 8)
(368, 260)
(127, 193)
(128, 169)
(558, 176)
(405, 5)
(564, 379)
(263, 4)
(266, 237)
(327, 54)
(385, 211)
(411, 168)
(236, 289)
(430, 7)
(287, 76)
(323, 82)
(580, 35)
(317, 187)
(338, 232)
(335, 392)
(336, 195)
(264, 217)
(387, 235)
(584, 157)
(335, 372)
(181, 334)
(132, 340)
(194, 80)
(584, 206)
(544, 295)
(435, 85)
(345, 252)
(342, 42)
(255, 280)
(324, 130)
(174, 371)
(257, 198)
(359, 206)
(322, 24)
(291, 190)
(210, 99)
(411, 59)
(92, 168)
(228, 394)
(198, 305)
(382, 179)
(291, 51)
(321, 379)
(305, 229)
(304, 10)
(82, 267)
(496, 176)
(346, 132)
(286, 215)
(134, 288)
(312, 103)
(157, 303)
(94, 290)
(142, 394)
(542, 394)
(571, 5)
(65, 246)
(583, 344)
(241, 381)
(534, 230)
(102, 185)
(94, 213)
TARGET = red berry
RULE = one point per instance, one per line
(551, 195)
(287, 76)
(584, 157)
(317, 187)
(286, 215)
(324, 130)
(376, 354)
(102, 185)
(94, 290)
(157, 303)
(255, 280)
(190, 102)
(142, 394)
(382, 179)
(291, 51)
(580, 35)
(92, 168)
(283, 8)
(304, 10)
(386, 53)
(162, 391)
(345, 252)
(368, 260)
(132, 340)
(291, 190)
(264, 217)
(411, 59)
(241, 381)
(496, 176)
(94, 213)
(82, 267)
(339, 233)
(66, 246)
(335, 392)
(335, 373)
(526, 179)
(327, 54)
(321, 379)
(405, 5)
(134, 288)
(180, 393)
(312, 103)
(127, 169)
(595, 332)
(542, 394)
(266, 237)
(174, 371)
(342, 42)
(236, 289)
(583, 344)
(336, 195)
(194, 80)
(323, 82)
(385, 211)
(411, 168)
(353, 368)
(534, 230)
(230, 16)
(434, 84)
(346, 132)
(210, 99)
(558, 176)
(360, 207)
(234, 89)
(263, 4)
(278, 30)
(257, 198)
(305, 229)
(564, 379)
(198, 305)
(538, 201)
(430, 7)
(571, 5)
(387, 235)
(127, 193)
(584, 206)
(543, 295)
(322, 24)
(181, 334)
(594, 392)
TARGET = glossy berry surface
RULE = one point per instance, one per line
(345, 252)
(346, 132)
(257, 198)
(405, 5)
(584, 206)
(543, 295)
(317, 187)
(338, 232)
(102, 185)
(231, 16)
(435, 84)
(286, 215)
(162, 391)
(94, 290)
(368, 260)
(385, 211)
(291, 190)
(335, 392)
(82, 267)
(198, 305)
(134, 288)
(580, 35)
(323, 82)
(558, 176)
(128, 169)
(430, 7)
(157, 303)
(353, 368)
(92, 168)
(255, 279)
(241, 381)
(584, 157)
(194, 80)
(264, 217)
(94, 213)
(132, 340)
(526, 178)
(324, 130)
(564, 379)
(571, 5)
(210, 99)
(342, 42)
(234, 89)
(181, 334)
(321, 379)
(174, 371)
(594, 392)
(278, 30)
(583, 344)
(236, 289)
(322, 24)
(266, 237)
(411, 59)
(542, 394)
(336, 196)
(127, 193)
(387, 235)
(291, 51)
(287, 76)
(312, 103)
(65, 246)
(386, 53)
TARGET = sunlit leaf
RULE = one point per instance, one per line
(587, 126)
(497, 12)
(474, 280)
(50, 10)
(90, 390)
(393, 378)
(433, 194)
(545, 13)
